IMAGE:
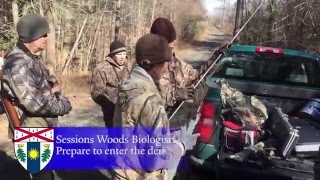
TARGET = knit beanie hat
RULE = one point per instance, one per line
(152, 49)
(116, 47)
(164, 28)
(32, 27)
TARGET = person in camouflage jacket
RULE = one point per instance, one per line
(140, 105)
(26, 79)
(106, 78)
(27, 82)
(176, 83)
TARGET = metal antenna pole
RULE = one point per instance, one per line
(212, 65)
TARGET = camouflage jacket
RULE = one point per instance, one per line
(106, 78)
(25, 80)
(140, 105)
(180, 75)
(139, 94)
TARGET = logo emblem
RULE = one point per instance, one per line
(34, 147)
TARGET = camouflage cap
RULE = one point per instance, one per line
(152, 49)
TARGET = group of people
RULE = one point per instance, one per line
(140, 92)
(174, 84)
(130, 93)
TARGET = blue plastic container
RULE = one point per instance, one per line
(311, 110)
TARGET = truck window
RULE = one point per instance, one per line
(299, 75)
(270, 68)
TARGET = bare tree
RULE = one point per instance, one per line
(81, 31)
(15, 12)
(51, 42)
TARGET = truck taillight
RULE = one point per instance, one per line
(207, 121)
(260, 49)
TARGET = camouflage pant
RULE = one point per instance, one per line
(107, 108)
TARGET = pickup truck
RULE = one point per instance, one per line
(282, 78)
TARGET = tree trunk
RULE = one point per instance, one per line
(270, 20)
(93, 44)
(117, 21)
(238, 17)
(15, 12)
(41, 8)
(153, 11)
(61, 46)
(222, 16)
(74, 47)
(51, 48)
(99, 45)
(139, 18)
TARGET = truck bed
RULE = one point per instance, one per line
(300, 165)
(288, 98)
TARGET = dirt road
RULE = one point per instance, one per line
(201, 50)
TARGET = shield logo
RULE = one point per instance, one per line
(34, 147)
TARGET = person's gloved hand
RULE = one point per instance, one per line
(52, 80)
(187, 138)
(185, 93)
(222, 50)
(55, 85)
(200, 93)
(67, 107)
(56, 89)
(203, 68)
